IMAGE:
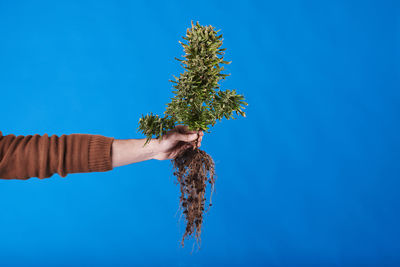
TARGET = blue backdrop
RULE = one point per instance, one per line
(310, 176)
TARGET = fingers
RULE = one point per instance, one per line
(179, 150)
(184, 147)
(185, 137)
(198, 144)
(183, 129)
(183, 134)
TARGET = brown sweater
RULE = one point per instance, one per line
(23, 157)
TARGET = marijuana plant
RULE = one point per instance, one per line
(198, 103)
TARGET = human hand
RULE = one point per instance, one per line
(176, 141)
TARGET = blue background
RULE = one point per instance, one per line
(310, 176)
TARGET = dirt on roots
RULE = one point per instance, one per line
(194, 168)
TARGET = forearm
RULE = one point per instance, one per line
(128, 151)
(23, 157)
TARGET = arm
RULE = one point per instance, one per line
(23, 157)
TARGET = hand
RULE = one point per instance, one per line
(128, 151)
(176, 141)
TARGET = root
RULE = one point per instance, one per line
(193, 169)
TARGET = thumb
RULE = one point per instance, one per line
(185, 137)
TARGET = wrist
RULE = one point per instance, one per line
(144, 152)
(150, 150)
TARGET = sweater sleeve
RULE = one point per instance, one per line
(23, 157)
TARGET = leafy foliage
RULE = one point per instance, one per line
(198, 101)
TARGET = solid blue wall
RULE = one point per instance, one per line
(310, 176)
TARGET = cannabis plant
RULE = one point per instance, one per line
(198, 103)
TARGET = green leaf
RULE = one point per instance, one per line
(198, 101)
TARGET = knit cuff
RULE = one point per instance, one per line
(100, 153)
